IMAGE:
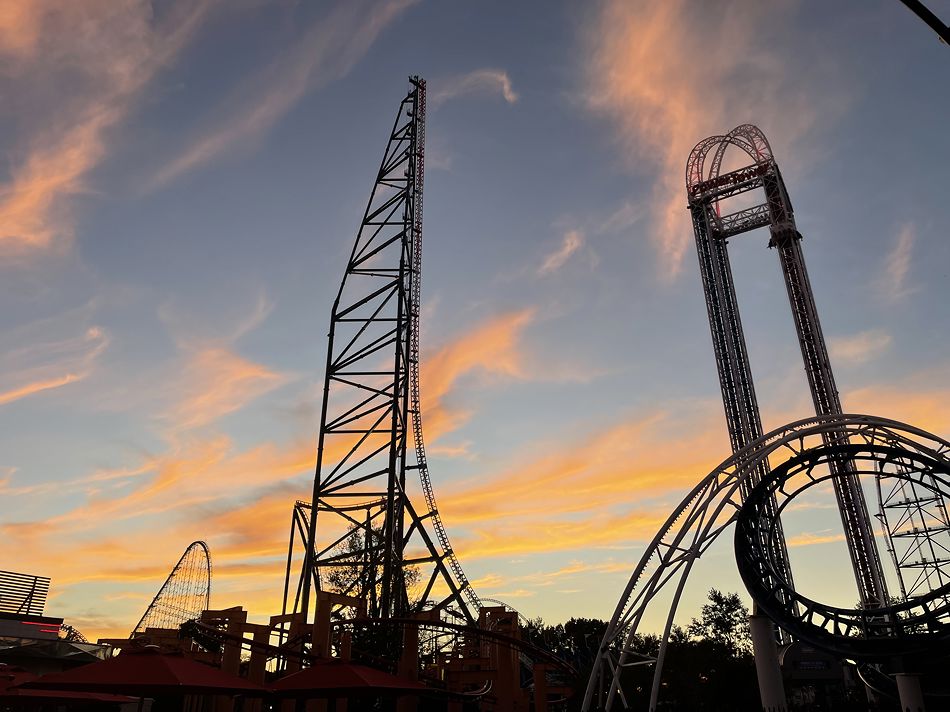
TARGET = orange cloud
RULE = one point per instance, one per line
(810, 539)
(205, 486)
(206, 471)
(44, 366)
(618, 466)
(616, 486)
(533, 536)
(258, 530)
(216, 382)
(919, 401)
(83, 551)
(859, 347)
(669, 74)
(94, 77)
(605, 489)
(199, 467)
(28, 204)
(492, 347)
(37, 387)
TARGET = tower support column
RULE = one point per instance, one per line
(909, 692)
(767, 669)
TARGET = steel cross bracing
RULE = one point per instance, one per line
(917, 528)
(363, 535)
(707, 188)
(710, 510)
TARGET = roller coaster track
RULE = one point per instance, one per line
(205, 633)
(416, 399)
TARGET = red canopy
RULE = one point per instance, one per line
(147, 673)
(11, 677)
(342, 678)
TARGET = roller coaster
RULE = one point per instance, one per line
(370, 561)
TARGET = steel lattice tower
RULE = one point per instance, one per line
(706, 188)
(364, 535)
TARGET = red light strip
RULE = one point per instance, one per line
(44, 627)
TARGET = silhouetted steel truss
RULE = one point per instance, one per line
(185, 593)
(916, 525)
(910, 626)
(365, 535)
(707, 188)
(933, 22)
(793, 458)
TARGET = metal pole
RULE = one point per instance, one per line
(767, 668)
(909, 692)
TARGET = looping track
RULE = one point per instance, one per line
(705, 513)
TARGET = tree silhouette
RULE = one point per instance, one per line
(359, 568)
(724, 621)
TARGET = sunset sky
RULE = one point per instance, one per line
(181, 185)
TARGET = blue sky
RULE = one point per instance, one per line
(180, 186)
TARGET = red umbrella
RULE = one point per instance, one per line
(147, 673)
(342, 678)
(11, 677)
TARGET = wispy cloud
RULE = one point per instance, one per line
(919, 400)
(493, 585)
(492, 348)
(669, 74)
(623, 218)
(193, 325)
(479, 82)
(44, 366)
(197, 468)
(460, 450)
(38, 387)
(513, 593)
(212, 379)
(572, 241)
(76, 85)
(215, 382)
(588, 490)
(203, 483)
(326, 51)
(893, 283)
(813, 538)
(571, 570)
(31, 204)
(860, 347)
